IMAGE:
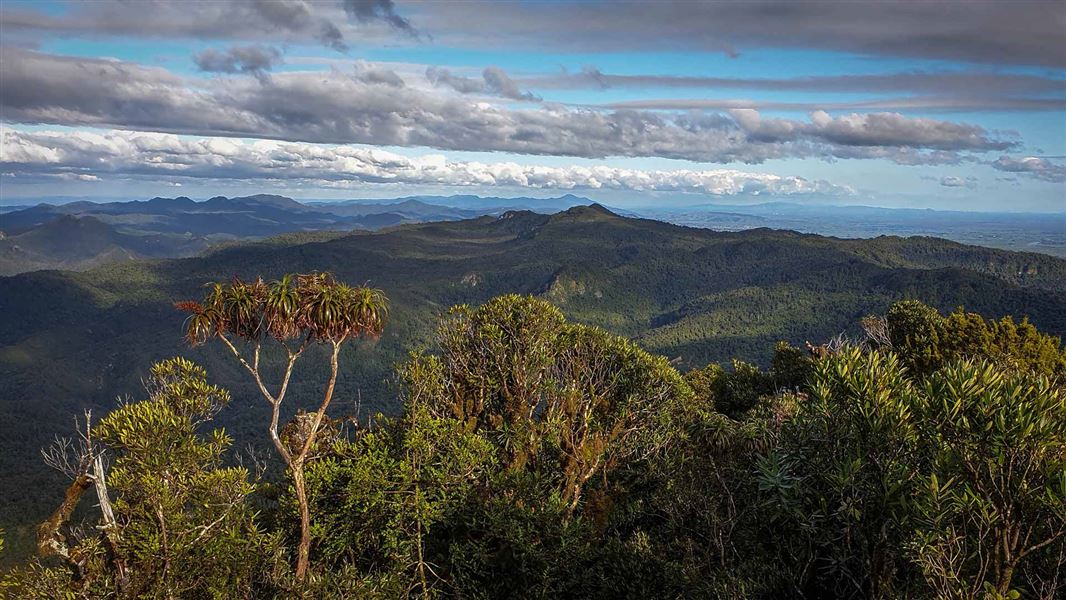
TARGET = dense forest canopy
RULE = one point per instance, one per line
(539, 457)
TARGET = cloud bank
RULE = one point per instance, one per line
(369, 107)
(923, 90)
(1022, 32)
(169, 157)
(1025, 32)
(251, 20)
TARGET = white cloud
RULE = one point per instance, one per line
(166, 156)
(1040, 168)
(367, 106)
(959, 182)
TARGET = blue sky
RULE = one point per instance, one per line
(962, 106)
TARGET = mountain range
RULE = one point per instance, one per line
(81, 235)
(181, 227)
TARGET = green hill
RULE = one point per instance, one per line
(78, 243)
(79, 340)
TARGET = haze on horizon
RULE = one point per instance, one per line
(948, 105)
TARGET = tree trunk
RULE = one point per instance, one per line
(303, 551)
(50, 540)
(110, 526)
(1005, 577)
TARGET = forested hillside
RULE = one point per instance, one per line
(75, 340)
(77, 243)
(536, 457)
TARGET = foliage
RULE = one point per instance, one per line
(538, 457)
(840, 476)
(693, 295)
(915, 331)
(994, 491)
(183, 526)
(735, 392)
(313, 307)
(561, 400)
(926, 341)
(308, 308)
(376, 499)
(958, 476)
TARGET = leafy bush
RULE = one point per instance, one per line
(927, 341)
(181, 526)
(536, 457)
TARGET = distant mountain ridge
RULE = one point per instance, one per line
(179, 227)
(1040, 232)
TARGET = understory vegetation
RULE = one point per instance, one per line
(536, 457)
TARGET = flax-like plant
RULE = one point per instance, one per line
(294, 312)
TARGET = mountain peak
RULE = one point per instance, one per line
(592, 211)
(271, 200)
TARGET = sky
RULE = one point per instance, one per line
(941, 104)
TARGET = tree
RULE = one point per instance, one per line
(178, 525)
(185, 528)
(565, 400)
(1016, 346)
(926, 341)
(292, 312)
(957, 477)
(843, 473)
(567, 411)
(377, 498)
(915, 331)
(994, 493)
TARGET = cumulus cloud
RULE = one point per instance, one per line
(356, 107)
(373, 74)
(493, 81)
(169, 157)
(498, 82)
(1040, 168)
(441, 77)
(894, 129)
(255, 59)
(959, 182)
(871, 129)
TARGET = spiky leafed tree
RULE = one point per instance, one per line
(292, 312)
